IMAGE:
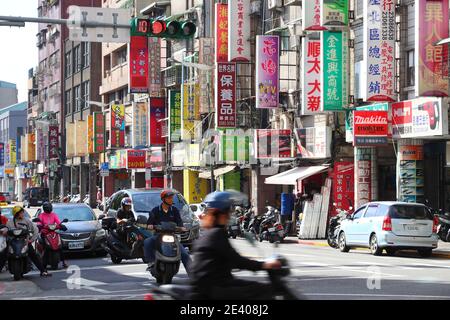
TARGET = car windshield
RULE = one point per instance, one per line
(79, 213)
(145, 202)
(41, 193)
(7, 212)
(410, 212)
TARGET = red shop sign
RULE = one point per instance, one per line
(226, 95)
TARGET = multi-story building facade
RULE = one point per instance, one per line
(8, 94)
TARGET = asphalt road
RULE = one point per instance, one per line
(317, 273)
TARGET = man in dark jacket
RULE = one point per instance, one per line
(214, 258)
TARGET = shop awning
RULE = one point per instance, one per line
(290, 177)
(217, 172)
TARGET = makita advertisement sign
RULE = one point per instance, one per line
(370, 128)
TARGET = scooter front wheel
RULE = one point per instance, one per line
(116, 260)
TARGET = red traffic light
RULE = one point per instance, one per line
(158, 27)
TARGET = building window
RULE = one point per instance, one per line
(86, 54)
(67, 102)
(68, 64)
(86, 93)
(410, 74)
(77, 98)
(77, 59)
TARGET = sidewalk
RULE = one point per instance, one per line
(442, 251)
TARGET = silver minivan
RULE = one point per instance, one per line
(390, 226)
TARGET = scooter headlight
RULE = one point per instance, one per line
(17, 232)
(100, 233)
(168, 238)
(52, 227)
(24, 249)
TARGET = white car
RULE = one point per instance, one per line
(390, 226)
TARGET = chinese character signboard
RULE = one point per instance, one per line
(314, 142)
(2, 154)
(423, 117)
(205, 77)
(363, 176)
(273, 143)
(311, 13)
(7, 154)
(90, 133)
(226, 95)
(343, 190)
(189, 112)
(138, 64)
(239, 30)
(12, 152)
(334, 13)
(370, 128)
(140, 124)
(379, 46)
(334, 75)
(267, 71)
(221, 32)
(53, 142)
(234, 148)
(175, 115)
(136, 159)
(99, 132)
(154, 54)
(431, 61)
(312, 88)
(157, 113)
(40, 146)
(117, 131)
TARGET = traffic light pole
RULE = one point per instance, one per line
(17, 22)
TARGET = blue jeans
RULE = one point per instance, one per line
(149, 252)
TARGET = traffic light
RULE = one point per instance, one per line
(163, 28)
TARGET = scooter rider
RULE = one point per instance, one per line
(19, 218)
(3, 221)
(124, 214)
(49, 217)
(166, 212)
(214, 258)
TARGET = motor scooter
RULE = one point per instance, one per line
(18, 262)
(443, 228)
(334, 226)
(49, 243)
(233, 227)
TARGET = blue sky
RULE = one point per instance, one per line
(18, 51)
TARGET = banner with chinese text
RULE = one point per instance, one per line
(157, 114)
(205, 77)
(90, 133)
(175, 115)
(379, 50)
(53, 142)
(431, 61)
(189, 112)
(343, 186)
(238, 30)
(267, 71)
(226, 95)
(117, 131)
(140, 125)
(334, 75)
(334, 13)
(311, 15)
(136, 159)
(221, 32)
(138, 54)
(154, 54)
(99, 132)
(273, 143)
(312, 88)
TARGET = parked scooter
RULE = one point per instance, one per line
(18, 262)
(443, 229)
(116, 247)
(276, 277)
(3, 240)
(334, 226)
(168, 254)
(49, 245)
(234, 228)
(245, 220)
(271, 229)
(76, 198)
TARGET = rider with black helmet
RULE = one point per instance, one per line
(124, 214)
(214, 257)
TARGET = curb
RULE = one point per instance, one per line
(320, 244)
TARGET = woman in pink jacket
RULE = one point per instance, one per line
(49, 217)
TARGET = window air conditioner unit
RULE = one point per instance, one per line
(255, 7)
(274, 4)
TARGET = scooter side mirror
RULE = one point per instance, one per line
(65, 220)
(102, 216)
(36, 220)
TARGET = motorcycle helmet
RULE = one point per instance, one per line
(126, 202)
(166, 193)
(16, 210)
(47, 207)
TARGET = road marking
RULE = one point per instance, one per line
(377, 295)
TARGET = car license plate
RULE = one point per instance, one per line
(281, 233)
(271, 229)
(234, 227)
(76, 245)
(412, 228)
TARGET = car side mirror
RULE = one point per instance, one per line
(193, 208)
(142, 220)
(102, 216)
(350, 217)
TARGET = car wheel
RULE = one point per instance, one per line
(425, 253)
(391, 251)
(342, 243)
(374, 247)
(116, 260)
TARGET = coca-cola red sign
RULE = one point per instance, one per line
(370, 128)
